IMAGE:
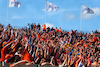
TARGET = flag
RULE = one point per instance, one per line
(14, 3)
(25, 38)
(87, 10)
(51, 7)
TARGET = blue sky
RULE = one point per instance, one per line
(67, 17)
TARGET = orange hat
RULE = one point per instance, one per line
(4, 43)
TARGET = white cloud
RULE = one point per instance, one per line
(69, 16)
(17, 17)
(55, 12)
(27, 17)
(96, 13)
(49, 25)
(43, 10)
(59, 11)
(87, 16)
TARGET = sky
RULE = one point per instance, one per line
(67, 17)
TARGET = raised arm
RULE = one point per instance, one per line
(36, 60)
(12, 65)
(52, 61)
(78, 60)
(8, 44)
(44, 53)
(64, 62)
(1, 35)
(36, 52)
(26, 44)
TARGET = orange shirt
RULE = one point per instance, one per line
(26, 56)
(44, 27)
(42, 39)
(90, 41)
(71, 32)
(86, 46)
(60, 30)
(75, 45)
(34, 26)
(3, 54)
(56, 30)
(33, 35)
(94, 39)
(88, 61)
(38, 36)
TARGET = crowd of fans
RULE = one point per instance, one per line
(42, 45)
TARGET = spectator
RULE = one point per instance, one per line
(48, 47)
(38, 26)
